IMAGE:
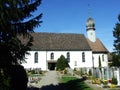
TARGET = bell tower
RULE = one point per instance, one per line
(90, 28)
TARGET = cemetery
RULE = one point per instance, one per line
(105, 77)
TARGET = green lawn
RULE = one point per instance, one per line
(72, 83)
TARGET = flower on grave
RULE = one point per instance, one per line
(110, 81)
(112, 86)
(104, 82)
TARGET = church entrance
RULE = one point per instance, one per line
(51, 65)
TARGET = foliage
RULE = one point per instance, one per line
(116, 34)
(90, 72)
(114, 81)
(116, 54)
(81, 71)
(62, 63)
(5, 82)
(65, 71)
(104, 82)
(115, 60)
(18, 77)
(16, 18)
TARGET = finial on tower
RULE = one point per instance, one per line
(89, 11)
(90, 24)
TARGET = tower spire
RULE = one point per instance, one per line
(89, 10)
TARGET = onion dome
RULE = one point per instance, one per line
(90, 24)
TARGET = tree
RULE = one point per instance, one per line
(16, 18)
(116, 53)
(62, 63)
(116, 34)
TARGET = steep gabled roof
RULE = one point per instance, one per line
(59, 41)
(97, 46)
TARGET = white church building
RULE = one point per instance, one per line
(81, 52)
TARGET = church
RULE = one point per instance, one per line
(80, 51)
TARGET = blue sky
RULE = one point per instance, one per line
(70, 16)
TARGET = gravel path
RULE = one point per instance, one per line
(50, 78)
(48, 82)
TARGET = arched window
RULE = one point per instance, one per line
(52, 55)
(36, 57)
(83, 57)
(68, 56)
(102, 57)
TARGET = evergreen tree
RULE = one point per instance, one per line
(62, 63)
(116, 53)
(16, 18)
(116, 34)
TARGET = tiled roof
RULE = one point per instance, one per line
(97, 46)
(59, 41)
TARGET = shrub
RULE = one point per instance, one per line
(65, 71)
(4, 82)
(18, 77)
(62, 63)
(114, 81)
(90, 72)
(104, 82)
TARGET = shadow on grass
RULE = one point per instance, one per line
(77, 84)
(48, 87)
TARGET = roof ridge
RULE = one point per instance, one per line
(58, 33)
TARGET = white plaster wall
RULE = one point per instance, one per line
(104, 63)
(41, 60)
(75, 56)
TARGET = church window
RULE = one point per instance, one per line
(36, 57)
(52, 55)
(102, 57)
(83, 57)
(75, 63)
(68, 56)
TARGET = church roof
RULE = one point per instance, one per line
(59, 41)
(97, 46)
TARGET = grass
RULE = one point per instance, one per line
(72, 83)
